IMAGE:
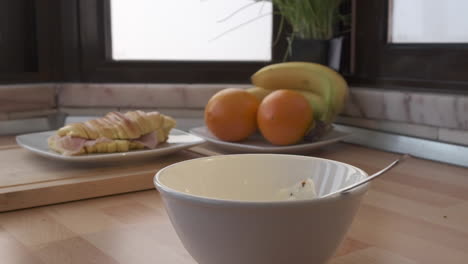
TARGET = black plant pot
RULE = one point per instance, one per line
(325, 52)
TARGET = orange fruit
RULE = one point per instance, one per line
(284, 117)
(231, 114)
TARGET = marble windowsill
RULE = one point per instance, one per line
(189, 96)
(441, 117)
(440, 110)
(26, 98)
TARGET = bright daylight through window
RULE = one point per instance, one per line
(191, 30)
(428, 21)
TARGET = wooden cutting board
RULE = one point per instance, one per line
(28, 180)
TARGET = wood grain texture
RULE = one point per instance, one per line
(7, 142)
(28, 180)
(415, 214)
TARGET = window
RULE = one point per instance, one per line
(191, 30)
(396, 43)
(401, 43)
(176, 41)
(428, 21)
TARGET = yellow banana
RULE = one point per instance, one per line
(259, 92)
(306, 76)
(317, 103)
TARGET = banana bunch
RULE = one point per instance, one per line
(324, 88)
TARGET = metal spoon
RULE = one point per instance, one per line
(367, 179)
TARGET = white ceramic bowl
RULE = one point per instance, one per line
(225, 209)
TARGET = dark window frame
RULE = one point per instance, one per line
(415, 66)
(70, 43)
(27, 49)
(55, 51)
(97, 65)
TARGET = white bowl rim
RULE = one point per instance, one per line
(217, 201)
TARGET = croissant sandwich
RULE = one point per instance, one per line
(115, 132)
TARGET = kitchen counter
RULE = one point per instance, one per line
(417, 213)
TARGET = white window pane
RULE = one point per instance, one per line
(191, 30)
(428, 21)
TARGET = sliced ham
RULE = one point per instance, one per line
(68, 145)
(149, 140)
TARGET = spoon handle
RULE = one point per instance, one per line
(373, 176)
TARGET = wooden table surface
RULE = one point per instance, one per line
(28, 180)
(417, 213)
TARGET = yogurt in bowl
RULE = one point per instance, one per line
(260, 208)
(299, 191)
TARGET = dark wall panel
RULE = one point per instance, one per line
(18, 50)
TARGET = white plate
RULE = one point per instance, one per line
(178, 140)
(257, 144)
